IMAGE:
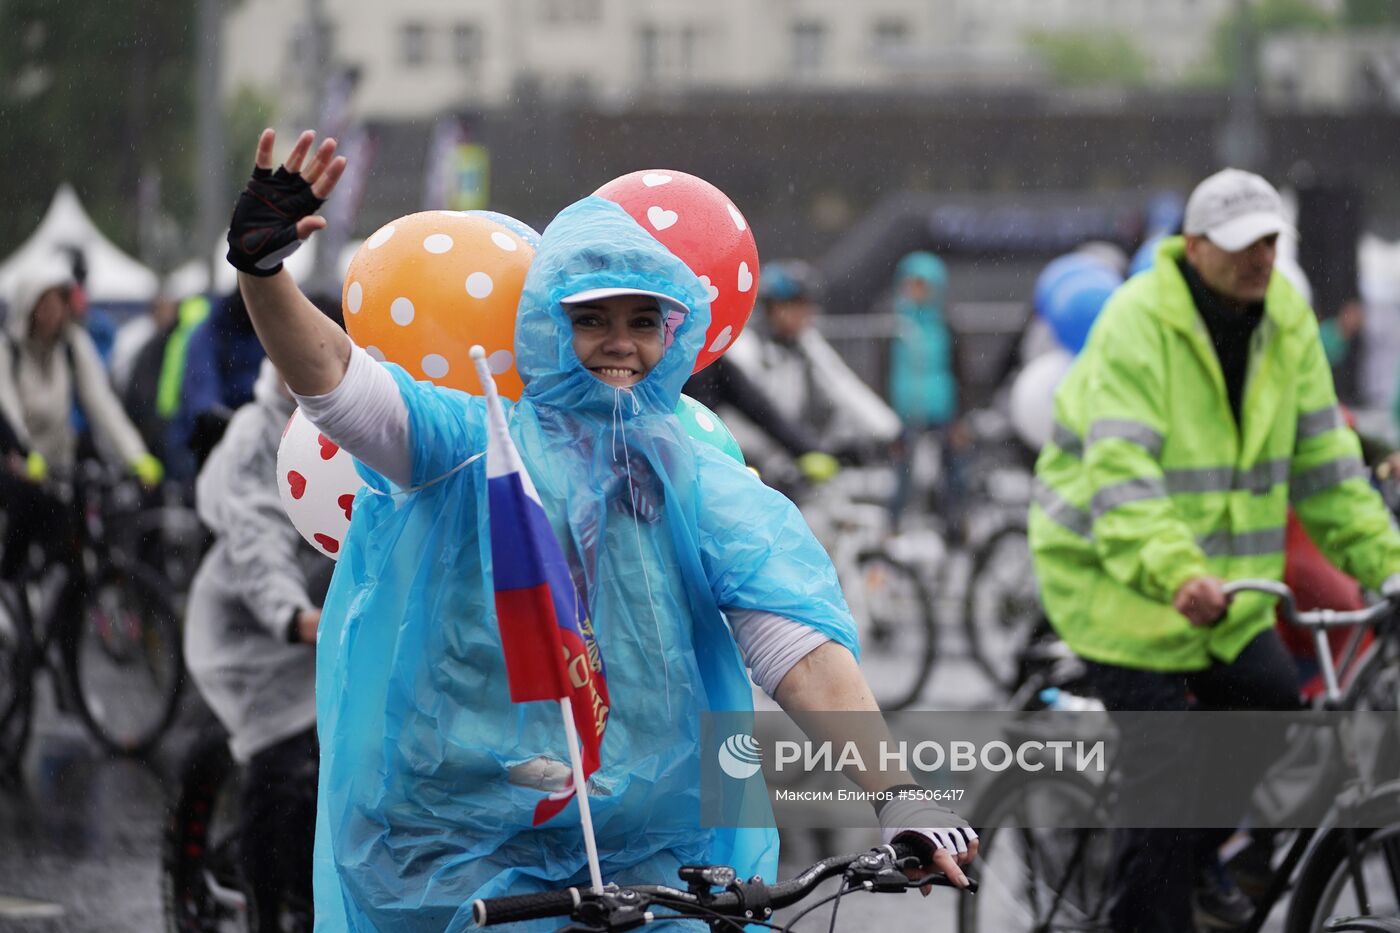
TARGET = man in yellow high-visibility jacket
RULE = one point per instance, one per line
(1201, 407)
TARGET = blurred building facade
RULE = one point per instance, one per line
(1331, 71)
(421, 57)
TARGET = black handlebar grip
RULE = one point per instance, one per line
(903, 850)
(493, 910)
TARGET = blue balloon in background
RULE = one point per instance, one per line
(1145, 255)
(1060, 270)
(1164, 213)
(521, 229)
(1073, 298)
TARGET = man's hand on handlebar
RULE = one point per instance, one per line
(1202, 600)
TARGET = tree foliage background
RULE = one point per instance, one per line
(100, 94)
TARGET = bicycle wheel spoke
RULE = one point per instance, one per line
(1390, 851)
(126, 665)
(1035, 877)
(1001, 604)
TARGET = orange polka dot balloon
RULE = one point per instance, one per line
(424, 288)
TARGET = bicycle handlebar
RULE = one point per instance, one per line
(1318, 621)
(621, 907)
(1313, 618)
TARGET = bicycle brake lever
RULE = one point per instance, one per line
(877, 871)
(890, 876)
(942, 880)
(609, 913)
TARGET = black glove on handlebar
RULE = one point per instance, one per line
(263, 231)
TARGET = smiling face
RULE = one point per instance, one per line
(618, 339)
(1242, 276)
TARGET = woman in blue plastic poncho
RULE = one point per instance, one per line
(429, 774)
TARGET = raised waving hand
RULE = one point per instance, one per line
(276, 210)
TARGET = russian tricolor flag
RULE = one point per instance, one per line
(546, 635)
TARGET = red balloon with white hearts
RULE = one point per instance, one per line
(317, 483)
(702, 227)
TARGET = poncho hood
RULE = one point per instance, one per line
(30, 285)
(594, 243)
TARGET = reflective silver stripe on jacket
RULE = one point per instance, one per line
(1320, 422)
(1260, 543)
(1066, 440)
(1134, 432)
(1310, 482)
(1201, 479)
(1134, 490)
(1061, 512)
(1264, 475)
(1258, 479)
(1077, 521)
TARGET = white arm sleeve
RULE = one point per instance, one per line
(771, 644)
(366, 415)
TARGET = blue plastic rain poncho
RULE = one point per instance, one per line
(419, 812)
(923, 389)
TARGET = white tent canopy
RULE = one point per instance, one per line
(112, 275)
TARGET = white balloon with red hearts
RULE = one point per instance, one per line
(317, 483)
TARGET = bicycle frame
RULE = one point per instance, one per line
(1359, 796)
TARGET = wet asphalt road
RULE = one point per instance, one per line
(80, 841)
(80, 836)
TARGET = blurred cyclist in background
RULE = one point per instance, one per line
(923, 384)
(802, 375)
(250, 633)
(220, 365)
(724, 385)
(48, 364)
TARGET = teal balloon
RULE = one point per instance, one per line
(704, 425)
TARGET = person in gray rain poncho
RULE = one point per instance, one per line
(429, 774)
(49, 365)
(249, 631)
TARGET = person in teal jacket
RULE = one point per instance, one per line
(923, 388)
(923, 384)
(429, 774)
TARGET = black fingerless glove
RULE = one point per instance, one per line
(263, 231)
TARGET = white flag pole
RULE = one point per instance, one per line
(497, 423)
(581, 794)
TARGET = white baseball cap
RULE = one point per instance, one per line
(666, 302)
(1233, 209)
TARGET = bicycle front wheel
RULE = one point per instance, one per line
(202, 885)
(124, 660)
(1001, 604)
(16, 684)
(898, 636)
(1327, 884)
(1035, 878)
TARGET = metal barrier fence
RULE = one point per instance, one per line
(985, 335)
